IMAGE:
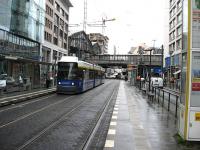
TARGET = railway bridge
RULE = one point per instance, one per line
(124, 60)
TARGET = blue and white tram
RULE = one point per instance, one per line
(76, 76)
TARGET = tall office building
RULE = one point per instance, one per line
(56, 30)
(173, 62)
(55, 35)
(175, 33)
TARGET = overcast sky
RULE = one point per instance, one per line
(137, 21)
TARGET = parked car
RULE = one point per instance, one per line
(8, 83)
(3, 81)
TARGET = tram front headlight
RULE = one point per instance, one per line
(59, 83)
(72, 83)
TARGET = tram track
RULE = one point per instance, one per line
(94, 129)
(14, 106)
(38, 110)
(61, 118)
(34, 112)
(20, 108)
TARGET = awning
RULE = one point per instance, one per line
(177, 72)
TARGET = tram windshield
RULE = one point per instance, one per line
(68, 71)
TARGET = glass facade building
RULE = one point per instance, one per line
(21, 35)
(23, 17)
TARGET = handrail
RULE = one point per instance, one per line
(169, 92)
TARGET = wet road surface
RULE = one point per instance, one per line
(54, 121)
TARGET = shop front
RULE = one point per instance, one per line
(20, 63)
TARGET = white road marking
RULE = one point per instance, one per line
(115, 112)
(112, 131)
(141, 126)
(109, 143)
(116, 108)
(114, 117)
(113, 123)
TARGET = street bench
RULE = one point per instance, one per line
(150, 96)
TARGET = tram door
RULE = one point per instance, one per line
(84, 80)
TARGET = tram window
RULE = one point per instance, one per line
(67, 71)
(91, 74)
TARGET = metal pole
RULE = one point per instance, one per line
(176, 106)
(162, 59)
(163, 98)
(150, 72)
(169, 102)
(158, 96)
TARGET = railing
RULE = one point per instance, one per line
(171, 96)
(166, 97)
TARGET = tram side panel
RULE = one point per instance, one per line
(88, 80)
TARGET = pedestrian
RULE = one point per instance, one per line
(126, 77)
(47, 81)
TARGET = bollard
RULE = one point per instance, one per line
(176, 106)
(169, 102)
(163, 98)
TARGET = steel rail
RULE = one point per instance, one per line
(58, 121)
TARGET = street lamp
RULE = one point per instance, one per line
(55, 68)
(162, 53)
(150, 50)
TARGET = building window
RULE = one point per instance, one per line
(56, 19)
(47, 36)
(61, 33)
(66, 27)
(62, 12)
(48, 23)
(62, 23)
(179, 5)
(172, 36)
(57, 6)
(66, 16)
(54, 55)
(49, 11)
(55, 40)
(55, 30)
(171, 2)
(65, 36)
(51, 1)
(65, 45)
(179, 30)
(178, 44)
(179, 18)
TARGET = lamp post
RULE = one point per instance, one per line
(150, 50)
(162, 53)
(55, 69)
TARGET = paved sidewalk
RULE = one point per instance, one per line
(16, 97)
(137, 124)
